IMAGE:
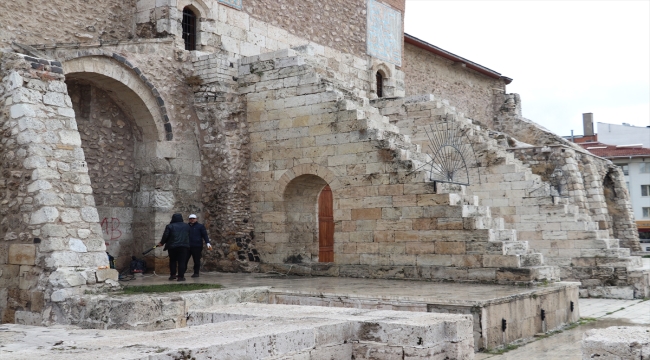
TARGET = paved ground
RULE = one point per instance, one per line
(400, 290)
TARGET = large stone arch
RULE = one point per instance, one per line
(127, 86)
(130, 226)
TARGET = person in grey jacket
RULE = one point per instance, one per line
(198, 234)
(176, 239)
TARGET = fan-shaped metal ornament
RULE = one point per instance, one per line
(450, 153)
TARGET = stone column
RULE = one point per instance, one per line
(53, 246)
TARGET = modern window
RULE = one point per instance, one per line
(644, 168)
(380, 84)
(645, 190)
(646, 212)
(189, 29)
(625, 168)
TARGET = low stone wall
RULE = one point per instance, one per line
(533, 311)
(148, 312)
(617, 342)
(347, 333)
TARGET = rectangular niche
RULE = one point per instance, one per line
(237, 4)
(384, 38)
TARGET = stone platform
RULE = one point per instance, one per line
(258, 331)
(489, 305)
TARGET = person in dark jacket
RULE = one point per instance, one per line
(176, 239)
(198, 234)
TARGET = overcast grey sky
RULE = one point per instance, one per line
(566, 57)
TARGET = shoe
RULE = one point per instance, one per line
(180, 279)
(195, 275)
(172, 278)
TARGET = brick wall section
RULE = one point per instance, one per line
(471, 93)
(76, 21)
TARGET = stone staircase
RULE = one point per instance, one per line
(449, 234)
(499, 245)
(564, 233)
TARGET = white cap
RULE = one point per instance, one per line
(192, 216)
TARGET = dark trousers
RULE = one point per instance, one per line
(178, 257)
(195, 252)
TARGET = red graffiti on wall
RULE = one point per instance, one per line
(111, 228)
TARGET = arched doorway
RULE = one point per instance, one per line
(309, 214)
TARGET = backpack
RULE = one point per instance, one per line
(137, 265)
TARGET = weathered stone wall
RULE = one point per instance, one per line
(593, 184)
(472, 93)
(553, 196)
(108, 137)
(313, 20)
(306, 132)
(225, 160)
(70, 21)
(166, 155)
(53, 244)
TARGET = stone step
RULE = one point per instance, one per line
(366, 124)
(558, 210)
(596, 244)
(483, 222)
(613, 253)
(507, 248)
(505, 235)
(535, 259)
(446, 199)
(476, 211)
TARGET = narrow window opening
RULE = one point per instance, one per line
(189, 29)
(380, 85)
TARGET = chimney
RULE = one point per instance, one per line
(588, 124)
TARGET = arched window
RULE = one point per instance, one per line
(380, 85)
(189, 29)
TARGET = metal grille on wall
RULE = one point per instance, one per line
(189, 29)
(450, 154)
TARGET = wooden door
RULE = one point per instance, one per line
(325, 226)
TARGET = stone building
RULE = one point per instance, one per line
(305, 148)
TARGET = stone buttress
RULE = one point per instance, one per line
(52, 243)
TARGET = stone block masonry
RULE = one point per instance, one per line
(52, 240)
(307, 131)
(265, 332)
(558, 199)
